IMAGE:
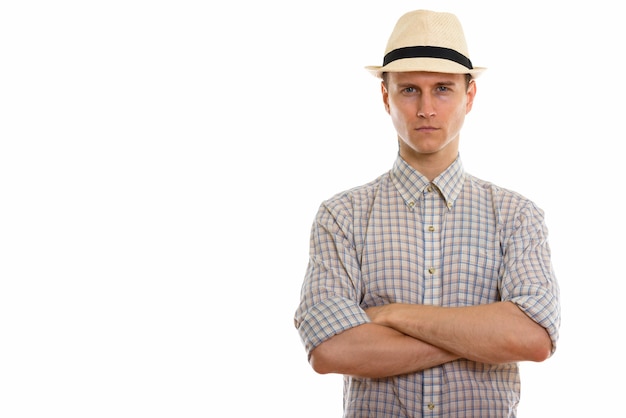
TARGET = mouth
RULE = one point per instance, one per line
(426, 129)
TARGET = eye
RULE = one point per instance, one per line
(442, 89)
(409, 90)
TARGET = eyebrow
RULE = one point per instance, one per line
(436, 84)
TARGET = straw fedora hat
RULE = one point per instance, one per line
(423, 40)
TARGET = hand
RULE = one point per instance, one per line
(377, 313)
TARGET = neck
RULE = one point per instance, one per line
(430, 158)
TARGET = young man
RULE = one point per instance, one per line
(427, 286)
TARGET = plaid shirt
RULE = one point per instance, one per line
(455, 241)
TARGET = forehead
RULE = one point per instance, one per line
(423, 77)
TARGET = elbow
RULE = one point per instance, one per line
(540, 348)
(540, 354)
(319, 360)
(531, 341)
(318, 366)
(532, 344)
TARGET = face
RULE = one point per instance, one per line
(428, 111)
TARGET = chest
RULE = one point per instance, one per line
(430, 253)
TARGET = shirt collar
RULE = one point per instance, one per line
(411, 184)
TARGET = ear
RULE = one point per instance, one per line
(471, 93)
(385, 95)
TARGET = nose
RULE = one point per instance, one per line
(425, 109)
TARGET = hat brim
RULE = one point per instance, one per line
(433, 65)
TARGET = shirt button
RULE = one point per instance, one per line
(429, 189)
(431, 228)
(432, 270)
(431, 406)
(449, 204)
(411, 204)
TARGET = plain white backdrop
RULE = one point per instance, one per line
(161, 163)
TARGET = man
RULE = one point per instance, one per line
(427, 286)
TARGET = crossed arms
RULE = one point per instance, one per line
(405, 338)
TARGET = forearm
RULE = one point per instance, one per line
(375, 351)
(494, 333)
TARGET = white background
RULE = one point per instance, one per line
(161, 163)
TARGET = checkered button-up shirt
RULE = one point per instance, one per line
(455, 241)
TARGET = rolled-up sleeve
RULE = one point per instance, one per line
(529, 280)
(332, 288)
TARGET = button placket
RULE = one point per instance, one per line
(433, 207)
(432, 218)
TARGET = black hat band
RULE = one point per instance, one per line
(427, 52)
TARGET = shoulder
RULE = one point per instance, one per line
(498, 192)
(357, 197)
(511, 205)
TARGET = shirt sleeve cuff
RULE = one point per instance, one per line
(328, 318)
